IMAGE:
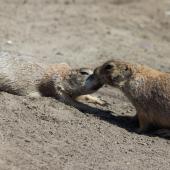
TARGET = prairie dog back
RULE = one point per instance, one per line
(19, 76)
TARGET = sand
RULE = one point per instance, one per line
(46, 134)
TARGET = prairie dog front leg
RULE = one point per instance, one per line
(92, 99)
(71, 102)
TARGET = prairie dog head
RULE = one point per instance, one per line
(80, 82)
(115, 73)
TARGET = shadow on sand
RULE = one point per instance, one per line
(125, 122)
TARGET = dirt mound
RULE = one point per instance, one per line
(46, 134)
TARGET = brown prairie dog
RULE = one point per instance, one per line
(148, 90)
(60, 81)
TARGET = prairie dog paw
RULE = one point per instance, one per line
(93, 99)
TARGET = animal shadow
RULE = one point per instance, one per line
(126, 122)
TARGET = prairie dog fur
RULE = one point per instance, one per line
(25, 78)
(148, 90)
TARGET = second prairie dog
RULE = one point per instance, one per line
(148, 90)
(22, 77)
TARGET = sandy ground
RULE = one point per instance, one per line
(45, 134)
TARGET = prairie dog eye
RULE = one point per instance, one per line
(85, 71)
(108, 67)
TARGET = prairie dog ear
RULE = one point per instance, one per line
(126, 68)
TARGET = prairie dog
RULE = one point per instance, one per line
(25, 78)
(148, 90)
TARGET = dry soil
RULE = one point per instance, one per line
(46, 134)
